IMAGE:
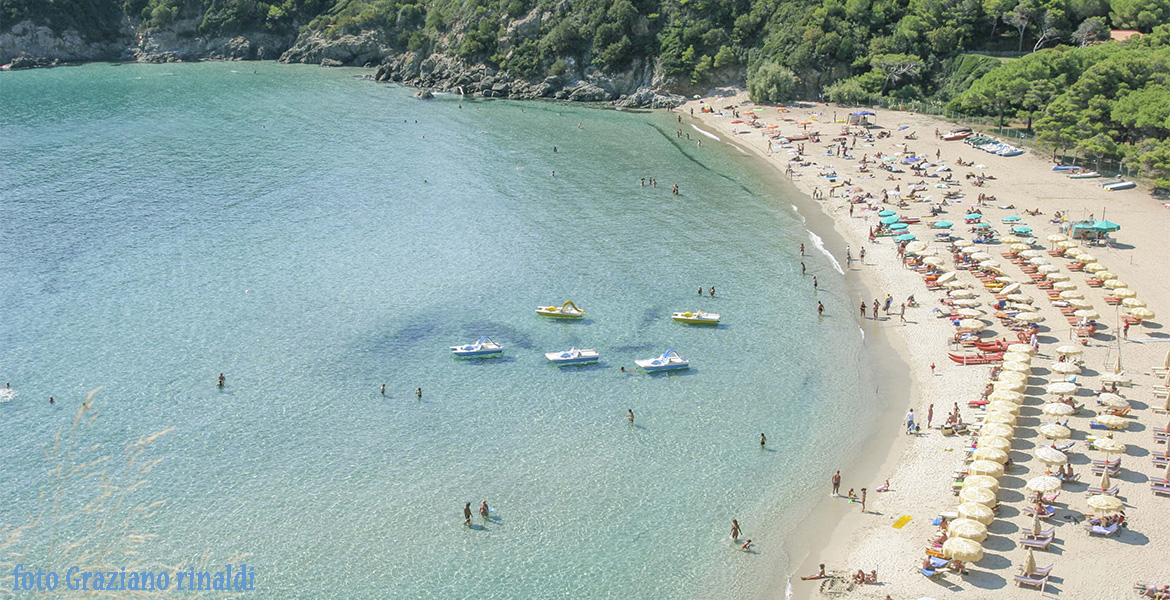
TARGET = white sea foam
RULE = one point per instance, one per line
(705, 132)
(820, 245)
(7, 394)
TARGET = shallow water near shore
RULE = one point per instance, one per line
(296, 229)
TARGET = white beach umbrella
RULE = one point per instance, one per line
(1105, 275)
(1020, 357)
(1004, 418)
(1010, 288)
(1142, 313)
(1086, 258)
(1095, 267)
(1066, 368)
(1066, 244)
(1008, 386)
(1018, 367)
(1079, 303)
(967, 528)
(1057, 409)
(992, 454)
(963, 243)
(1006, 396)
(1112, 422)
(960, 293)
(955, 285)
(1048, 269)
(967, 302)
(1123, 293)
(980, 256)
(1064, 285)
(1051, 456)
(1019, 298)
(933, 261)
(1108, 446)
(958, 548)
(1025, 348)
(971, 325)
(1053, 431)
(974, 510)
(970, 313)
(1073, 252)
(984, 467)
(1029, 317)
(1068, 350)
(1020, 306)
(1018, 247)
(995, 430)
(998, 443)
(1012, 377)
(945, 277)
(1056, 277)
(1057, 237)
(1061, 388)
(1112, 400)
(1101, 504)
(982, 496)
(1132, 303)
(1003, 406)
(1071, 294)
(1031, 253)
(915, 247)
(1010, 239)
(1043, 484)
(1114, 284)
(1039, 260)
(989, 264)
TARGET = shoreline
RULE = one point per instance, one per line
(919, 467)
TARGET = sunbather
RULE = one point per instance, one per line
(818, 575)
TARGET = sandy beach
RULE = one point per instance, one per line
(921, 468)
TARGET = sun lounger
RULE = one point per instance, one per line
(1066, 447)
(1160, 489)
(1040, 582)
(1047, 533)
(1111, 470)
(1160, 461)
(1037, 544)
(1113, 464)
(1092, 489)
(1041, 572)
(1099, 530)
(1095, 425)
(1045, 511)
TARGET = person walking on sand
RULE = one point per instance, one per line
(863, 309)
(1125, 331)
(902, 315)
(929, 415)
(875, 309)
(734, 530)
(862, 499)
(932, 369)
(910, 422)
(836, 481)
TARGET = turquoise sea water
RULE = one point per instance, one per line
(296, 229)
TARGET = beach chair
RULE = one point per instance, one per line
(1160, 489)
(1099, 530)
(1040, 582)
(1037, 543)
(1041, 572)
(1047, 533)
(1095, 425)
(1092, 489)
(1066, 447)
(1045, 511)
(1160, 461)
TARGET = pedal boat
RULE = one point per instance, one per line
(698, 317)
(484, 346)
(566, 311)
(670, 361)
(573, 356)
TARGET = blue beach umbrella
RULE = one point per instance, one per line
(890, 220)
(887, 213)
(1106, 226)
(1022, 230)
(974, 216)
(912, 159)
(905, 237)
(943, 224)
(1011, 219)
(898, 226)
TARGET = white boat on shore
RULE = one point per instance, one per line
(669, 361)
(484, 346)
(1084, 175)
(573, 356)
(697, 317)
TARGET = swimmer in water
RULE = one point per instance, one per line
(418, 392)
(51, 400)
(630, 415)
(383, 389)
(712, 291)
(763, 440)
(221, 381)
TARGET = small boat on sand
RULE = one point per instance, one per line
(1084, 175)
(566, 311)
(573, 356)
(484, 346)
(1121, 185)
(697, 317)
(960, 134)
(669, 361)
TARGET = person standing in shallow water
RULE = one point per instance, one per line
(221, 381)
(467, 514)
(763, 440)
(630, 415)
(734, 529)
(836, 481)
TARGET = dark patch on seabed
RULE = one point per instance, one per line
(504, 334)
(675, 142)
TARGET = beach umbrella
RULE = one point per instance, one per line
(1024, 307)
(1132, 303)
(1070, 294)
(963, 243)
(1022, 229)
(1124, 293)
(1100, 504)
(974, 510)
(1086, 313)
(1079, 303)
(1008, 386)
(1020, 347)
(1043, 484)
(1006, 396)
(1023, 357)
(1115, 283)
(897, 226)
(980, 256)
(967, 528)
(1142, 313)
(1051, 456)
(1065, 244)
(887, 213)
(1086, 258)
(982, 496)
(973, 215)
(1068, 350)
(945, 277)
(1029, 317)
(1056, 237)
(1004, 407)
(1109, 446)
(1095, 267)
(1012, 377)
(1072, 251)
(995, 430)
(1107, 397)
(943, 224)
(1048, 269)
(888, 220)
(998, 443)
(1039, 260)
(1066, 368)
(992, 454)
(1057, 409)
(1105, 275)
(961, 293)
(1029, 563)
(1004, 418)
(967, 302)
(1011, 219)
(985, 467)
(1018, 367)
(915, 247)
(1056, 276)
(971, 325)
(1019, 298)
(1105, 483)
(954, 285)
(1061, 388)
(1112, 421)
(1053, 431)
(933, 261)
(1064, 285)
(1037, 526)
(989, 264)
(969, 313)
(958, 548)
(906, 237)
(1011, 239)
(1016, 246)
(1031, 253)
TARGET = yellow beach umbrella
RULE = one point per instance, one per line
(1025, 348)
(1113, 401)
(1051, 456)
(1007, 407)
(1018, 247)
(1043, 484)
(1010, 239)
(1013, 377)
(960, 243)
(967, 302)
(1029, 566)
(1058, 409)
(1123, 293)
(1105, 275)
(1142, 313)
(1029, 317)
(1115, 283)
(976, 511)
(970, 313)
(1061, 388)
(1018, 367)
(1046, 269)
(1053, 431)
(1019, 298)
(1008, 386)
(1057, 237)
(985, 467)
(996, 430)
(1065, 244)
(1132, 303)
(1108, 446)
(971, 325)
(1064, 286)
(1056, 277)
(1070, 294)
(1010, 288)
(967, 528)
(1079, 303)
(1004, 418)
(961, 293)
(1012, 356)
(963, 549)
(982, 496)
(915, 247)
(992, 454)
(1068, 350)
(998, 443)
(1087, 313)
(1095, 267)
(1006, 396)
(1031, 253)
(933, 261)
(1073, 252)
(1101, 504)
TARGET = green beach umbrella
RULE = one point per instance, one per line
(1011, 219)
(905, 237)
(1022, 229)
(898, 226)
(887, 213)
(1106, 226)
(973, 216)
(890, 220)
(943, 224)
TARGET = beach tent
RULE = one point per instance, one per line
(862, 117)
